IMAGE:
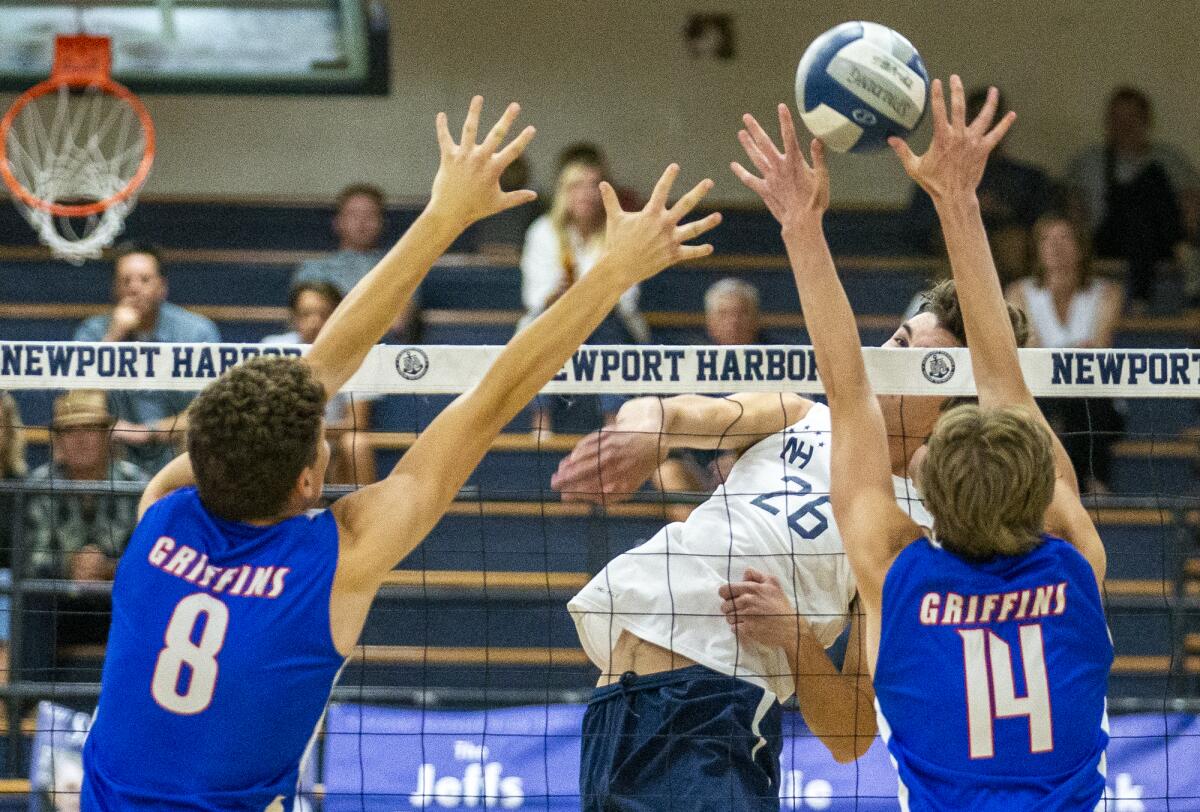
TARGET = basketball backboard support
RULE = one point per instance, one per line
(238, 46)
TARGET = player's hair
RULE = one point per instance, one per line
(251, 433)
(321, 288)
(730, 287)
(942, 301)
(361, 190)
(987, 480)
(130, 247)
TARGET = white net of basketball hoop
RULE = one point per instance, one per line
(76, 150)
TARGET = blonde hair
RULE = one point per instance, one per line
(559, 216)
(987, 480)
(12, 439)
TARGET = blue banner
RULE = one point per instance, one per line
(387, 760)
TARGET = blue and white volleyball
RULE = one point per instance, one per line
(860, 83)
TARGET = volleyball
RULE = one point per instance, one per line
(860, 83)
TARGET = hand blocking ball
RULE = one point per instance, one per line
(860, 83)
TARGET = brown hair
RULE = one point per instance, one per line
(363, 189)
(251, 433)
(942, 301)
(328, 290)
(987, 480)
(1041, 226)
(12, 439)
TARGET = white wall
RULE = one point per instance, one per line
(615, 71)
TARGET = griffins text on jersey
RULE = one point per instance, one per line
(952, 609)
(246, 580)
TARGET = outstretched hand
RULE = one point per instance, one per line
(639, 244)
(608, 465)
(790, 186)
(467, 185)
(958, 154)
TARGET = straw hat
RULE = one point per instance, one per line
(82, 408)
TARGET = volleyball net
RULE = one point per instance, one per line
(467, 687)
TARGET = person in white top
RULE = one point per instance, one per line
(677, 685)
(561, 246)
(1069, 307)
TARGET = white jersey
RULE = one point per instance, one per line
(772, 514)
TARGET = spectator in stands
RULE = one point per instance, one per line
(562, 246)
(1012, 196)
(585, 152)
(72, 536)
(1139, 197)
(731, 318)
(347, 416)
(731, 313)
(358, 225)
(1069, 307)
(147, 421)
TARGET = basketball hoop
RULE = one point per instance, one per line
(76, 149)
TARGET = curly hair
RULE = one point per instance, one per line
(987, 481)
(251, 433)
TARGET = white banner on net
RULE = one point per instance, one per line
(624, 369)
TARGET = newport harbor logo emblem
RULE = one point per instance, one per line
(937, 366)
(412, 363)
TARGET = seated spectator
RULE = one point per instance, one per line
(76, 537)
(347, 416)
(731, 318)
(1068, 307)
(358, 225)
(147, 421)
(1138, 197)
(1012, 196)
(562, 246)
(731, 313)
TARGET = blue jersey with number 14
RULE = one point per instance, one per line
(219, 664)
(991, 679)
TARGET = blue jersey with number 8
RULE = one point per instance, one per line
(219, 663)
(991, 679)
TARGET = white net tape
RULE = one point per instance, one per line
(72, 147)
(620, 369)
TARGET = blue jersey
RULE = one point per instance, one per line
(219, 664)
(991, 679)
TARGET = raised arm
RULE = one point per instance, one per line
(613, 463)
(466, 189)
(873, 528)
(382, 523)
(950, 172)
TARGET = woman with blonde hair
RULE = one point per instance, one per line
(12, 440)
(1068, 306)
(12, 466)
(561, 246)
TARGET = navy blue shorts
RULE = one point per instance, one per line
(689, 739)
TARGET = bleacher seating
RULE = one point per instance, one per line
(481, 604)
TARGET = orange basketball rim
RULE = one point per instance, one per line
(80, 63)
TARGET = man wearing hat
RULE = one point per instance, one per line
(76, 536)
